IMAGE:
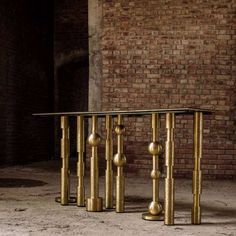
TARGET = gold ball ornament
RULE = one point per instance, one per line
(119, 129)
(155, 208)
(155, 174)
(94, 139)
(119, 159)
(155, 148)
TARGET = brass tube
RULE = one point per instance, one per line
(197, 175)
(65, 152)
(120, 188)
(119, 161)
(80, 163)
(94, 203)
(169, 162)
(155, 208)
(109, 171)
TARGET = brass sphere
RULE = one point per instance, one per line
(119, 159)
(155, 174)
(94, 139)
(119, 129)
(155, 148)
(154, 208)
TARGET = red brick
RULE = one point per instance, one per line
(185, 64)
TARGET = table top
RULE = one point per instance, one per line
(127, 112)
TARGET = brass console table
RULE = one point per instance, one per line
(95, 203)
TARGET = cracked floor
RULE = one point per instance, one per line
(27, 207)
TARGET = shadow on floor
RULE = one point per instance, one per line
(136, 204)
(20, 183)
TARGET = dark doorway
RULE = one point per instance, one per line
(71, 63)
(72, 81)
(72, 85)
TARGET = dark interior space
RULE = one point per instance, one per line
(72, 82)
(73, 86)
(71, 63)
(41, 57)
(26, 84)
(70, 29)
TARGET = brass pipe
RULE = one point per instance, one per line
(169, 162)
(94, 203)
(80, 163)
(65, 197)
(155, 208)
(119, 161)
(197, 175)
(65, 152)
(109, 171)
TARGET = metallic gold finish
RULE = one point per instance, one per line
(80, 163)
(197, 175)
(94, 203)
(94, 139)
(65, 152)
(169, 162)
(119, 161)
(177, 111)
(71, 200)
(155, 208)
(109, 171)
(151, 217)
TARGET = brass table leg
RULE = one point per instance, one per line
(119, 161)
(94, 203)
(197, 180)
(65, 198)
(80, 163)
(109, 172)
(155, 148)
(169, 160)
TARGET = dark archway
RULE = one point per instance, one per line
(72, 80)
(72, 90)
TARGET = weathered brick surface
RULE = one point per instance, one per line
(25, 80)
(163, 54)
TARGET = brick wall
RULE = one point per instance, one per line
(26, 78)
(163, 54)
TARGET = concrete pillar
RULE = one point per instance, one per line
(95, 55)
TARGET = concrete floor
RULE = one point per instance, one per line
(27, 207)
